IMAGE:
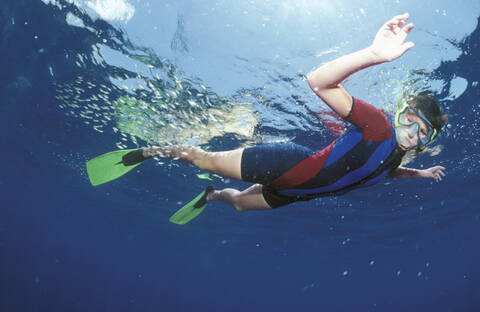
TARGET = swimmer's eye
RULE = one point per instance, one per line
(423, 132)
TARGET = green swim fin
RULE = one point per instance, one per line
(192, 209)
(109, 166)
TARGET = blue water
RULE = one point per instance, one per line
(67, 246)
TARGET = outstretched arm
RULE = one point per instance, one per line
(435, 173)
(389, 44)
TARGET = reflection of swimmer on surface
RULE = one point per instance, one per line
(371, 150)
(239, 119)
(166, 122)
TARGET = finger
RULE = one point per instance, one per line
(396, 19)
(395, 24)
(407, 46)
(442, 173)
(401, 22)
(400, 16)
(408, 28)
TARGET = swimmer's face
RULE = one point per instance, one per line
(413, 131)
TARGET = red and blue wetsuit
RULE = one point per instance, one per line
(362, 156)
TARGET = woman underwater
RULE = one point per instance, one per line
(362, 156)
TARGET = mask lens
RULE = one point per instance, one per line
(426, 139)
(414, 130)
(430, 130)
(403, 117)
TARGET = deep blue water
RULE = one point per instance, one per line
(67, 246)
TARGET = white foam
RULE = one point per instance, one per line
(112, 10)
(74, 20)
(458, 85)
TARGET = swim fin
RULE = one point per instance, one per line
(193, 208)
(109, 166)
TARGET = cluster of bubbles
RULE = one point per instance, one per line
(163, 110)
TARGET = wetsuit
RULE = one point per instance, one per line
(361, 157)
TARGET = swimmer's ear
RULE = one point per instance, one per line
(444, 118)
(441, 120)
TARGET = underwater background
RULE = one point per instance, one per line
(80, 78)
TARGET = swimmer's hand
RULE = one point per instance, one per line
(435, 173)
(389, 43)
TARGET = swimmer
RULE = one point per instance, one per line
(365, 154)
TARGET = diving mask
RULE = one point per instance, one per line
(412, 127)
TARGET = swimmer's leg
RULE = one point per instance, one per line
(227, 164)
(248, 199)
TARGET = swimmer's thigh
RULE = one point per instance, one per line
(264, 163)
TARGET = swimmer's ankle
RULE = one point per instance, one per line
(211, 196)
(151, 151)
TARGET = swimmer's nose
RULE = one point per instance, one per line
(413, 136)
(413, 140)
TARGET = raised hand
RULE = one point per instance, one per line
(389, 43)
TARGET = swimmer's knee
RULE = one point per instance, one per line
(225, 163)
